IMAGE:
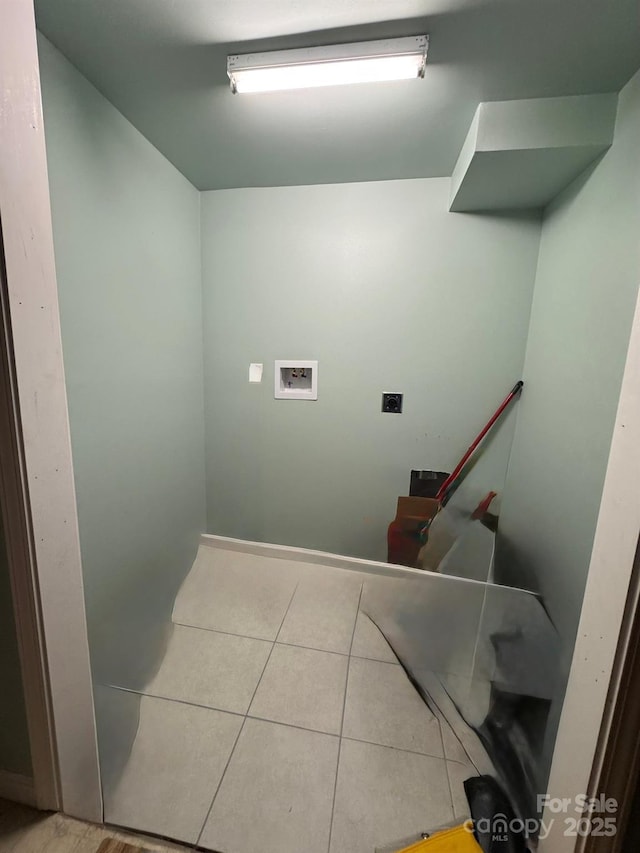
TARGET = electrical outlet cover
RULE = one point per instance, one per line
(392, 402)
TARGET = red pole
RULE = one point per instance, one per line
(444, 488)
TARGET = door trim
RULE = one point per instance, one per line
(616, 770)
(14, 504)
(18, 789)
(54, 581)
(602, 631)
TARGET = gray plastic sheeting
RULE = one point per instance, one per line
(483, 656)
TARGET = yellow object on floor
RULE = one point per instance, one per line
(459, 839)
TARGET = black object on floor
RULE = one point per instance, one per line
(493, 818)
(426, 484)
(513, 734)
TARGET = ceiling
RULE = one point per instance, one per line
(162, 63)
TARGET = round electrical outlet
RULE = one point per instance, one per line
(392, 403)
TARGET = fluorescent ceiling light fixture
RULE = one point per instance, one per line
(331, 65)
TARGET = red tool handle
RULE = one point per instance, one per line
(444, 488)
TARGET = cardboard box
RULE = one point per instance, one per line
(412, 512)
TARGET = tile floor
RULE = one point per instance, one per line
(281, 721)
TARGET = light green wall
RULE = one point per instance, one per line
(586, 287)
(547, 123)
(390, 292)
(126, 231)
(523, 153)
(15, 756)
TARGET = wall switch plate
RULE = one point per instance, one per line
(255, 373)
(392, 403)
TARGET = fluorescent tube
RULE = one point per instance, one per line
(333, 65)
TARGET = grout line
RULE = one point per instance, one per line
(467, 763)
(279, 643)
(344, 707)
(292, 726)
(233, 749)
(275, 640)
(446, 767)
(313, 649)
(226, 633)
(280, 722)
(226, 767)
(376, 660)
(396, 748)
(273, 645)
(174, 699)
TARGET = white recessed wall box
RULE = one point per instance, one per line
(296, 380)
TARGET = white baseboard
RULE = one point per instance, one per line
(287, 552)
(17, 788)
(325, 558)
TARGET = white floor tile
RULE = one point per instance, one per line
(277, 793)
(176, 763)
(369, 642)
(208, 668)
(384, 707)
(457, 775)
(323, 611)
(303, 687)
(239, 593)
(386, 794)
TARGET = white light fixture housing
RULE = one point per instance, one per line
(330, 65)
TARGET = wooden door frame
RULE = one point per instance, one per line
(603, 640)
(43, 789)
(616, 770)
(38, 493)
